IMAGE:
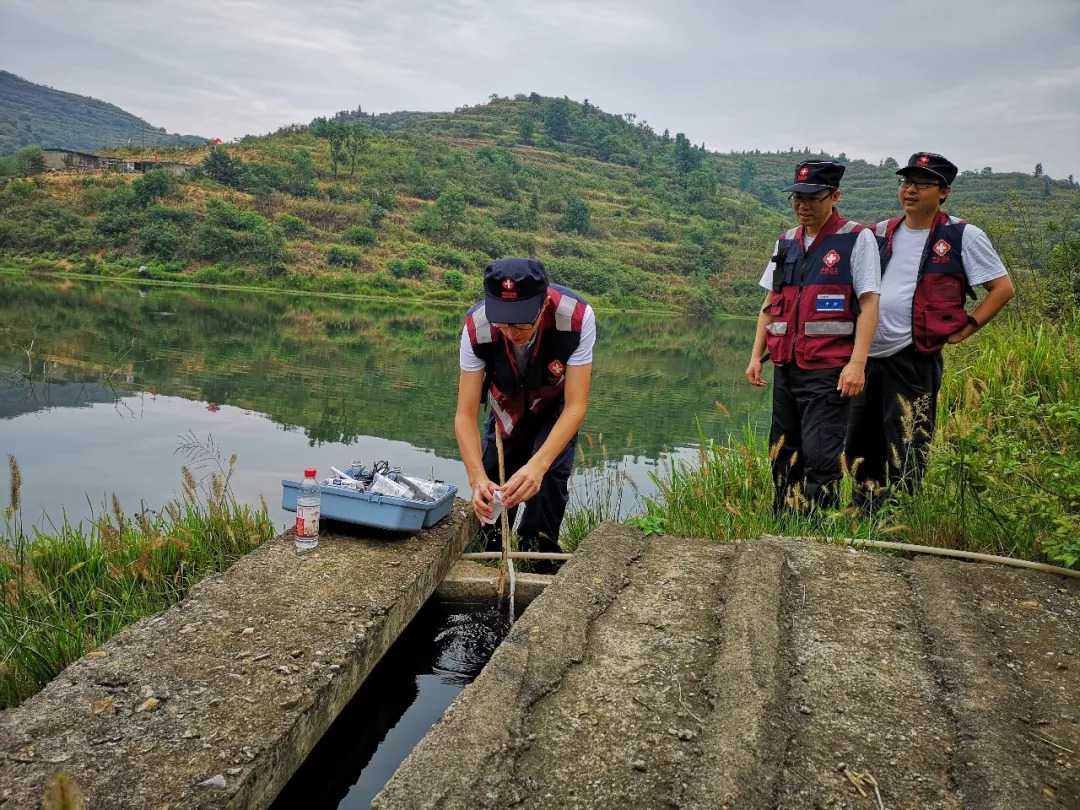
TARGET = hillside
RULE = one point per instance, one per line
(33, 114)
(416, 203)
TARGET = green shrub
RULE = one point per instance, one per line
(378, 214)
(360, 235)
(518, 217)
(342, 256)
(159, 242)
(408, 268)
(293, 226)
(384, 283)
(454, 280)
(151, 186)
(578, 215)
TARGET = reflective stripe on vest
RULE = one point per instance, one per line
(512, 393)
(814, 289)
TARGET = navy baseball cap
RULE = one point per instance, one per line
(514, 290)
(928, 162)
(817, 175)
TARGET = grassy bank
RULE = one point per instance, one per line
(1004, 472)
(64, 593)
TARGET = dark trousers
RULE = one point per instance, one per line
(539, 529)
(892, 421)
(809, 422)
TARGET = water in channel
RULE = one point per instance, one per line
(441, 651)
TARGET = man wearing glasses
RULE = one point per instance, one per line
(528, 346)
(818, 319)
(929, 262)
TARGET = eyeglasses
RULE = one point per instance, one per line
(809, 199)
(907, 182)
(519, 326)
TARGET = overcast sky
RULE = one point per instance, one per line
(985, 82)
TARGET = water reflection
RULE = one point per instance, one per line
(105, 376)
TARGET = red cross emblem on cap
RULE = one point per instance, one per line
(556, 368)
(831, 258)
(804, 172)
(942, 247)
(508, 283)
(923, 160)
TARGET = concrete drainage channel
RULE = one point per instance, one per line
(218, 701)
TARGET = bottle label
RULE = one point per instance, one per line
(307, 521)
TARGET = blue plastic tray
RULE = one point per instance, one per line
(380, 511)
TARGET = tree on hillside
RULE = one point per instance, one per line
(557, 119)
(686, 155)
(30, 160)
(526, 128)
(700, 185)
(986, 171)
(439, 218)
(346, 140)
(300, 175)
(1038, 170)
(226, 170)
(747, 175)
(357, 139)
(578, 215)
(890, 164)
(842, 158)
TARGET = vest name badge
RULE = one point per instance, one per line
(830, 302)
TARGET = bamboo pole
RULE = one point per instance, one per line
(515, 555)
(504, 522)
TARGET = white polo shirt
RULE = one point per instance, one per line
(981, 264)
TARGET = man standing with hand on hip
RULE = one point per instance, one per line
(929, 263)
(818, 319)
(528, 348)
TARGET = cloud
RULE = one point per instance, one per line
(989, 82)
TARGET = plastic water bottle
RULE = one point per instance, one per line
(307, 512)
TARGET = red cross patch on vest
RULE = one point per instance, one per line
(831, 258)
(556, 368)
(941, 247)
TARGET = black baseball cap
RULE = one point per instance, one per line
(931, 164)
(816, 175)
(514, 290)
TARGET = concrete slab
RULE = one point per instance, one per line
(669, 673)
(234, 684)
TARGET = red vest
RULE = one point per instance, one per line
(814, 305)
(513, 394)
(937, 309)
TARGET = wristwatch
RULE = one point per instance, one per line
(972, 322)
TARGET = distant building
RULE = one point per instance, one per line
(71, 159)
(59, 159)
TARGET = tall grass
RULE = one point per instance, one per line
(1003, 475)
(65, 592)
(597, 491)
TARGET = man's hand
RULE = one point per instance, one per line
(483, 496)
(524, 483)
(852, 379)
(962, 335)
(753, 373)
